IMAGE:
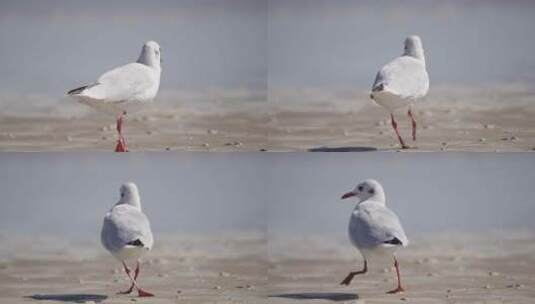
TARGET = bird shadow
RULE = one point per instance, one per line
(330, 296)
(342, 149)
(74, 298)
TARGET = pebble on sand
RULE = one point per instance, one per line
(234, 143)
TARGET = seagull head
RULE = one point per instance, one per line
(369, 189)
(129, 195)
(413, 47)
(151, 54)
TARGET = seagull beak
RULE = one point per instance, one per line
(349, 194)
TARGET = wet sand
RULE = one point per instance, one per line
(179, 270)
(239, 268)
(435, 269)
(450, 119)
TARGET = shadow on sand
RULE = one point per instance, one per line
(342, 149)
(74, 298)
(331, 296)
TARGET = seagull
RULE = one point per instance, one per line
(402, 81)
(128, 86)
(373, 228)
(126, 233)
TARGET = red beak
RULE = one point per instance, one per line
(349, 194)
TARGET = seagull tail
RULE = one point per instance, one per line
(81, 89)
(77, 90)
(376, 89)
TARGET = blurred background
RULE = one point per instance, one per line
(430, 192)
(343, 43)
(50, 47)
(67, 194)
(310, 58)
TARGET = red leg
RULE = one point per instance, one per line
(141, 292)
(136, 273)
(350, 276)
(129, 290)
(121, 142)
(399, 288)
(395, 126)
(413, 125)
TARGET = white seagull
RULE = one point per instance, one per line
(402, 81)
(126, 233)
(373, 228)
(126, 87)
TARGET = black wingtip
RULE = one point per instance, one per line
(137, 243)
(394, 241)
(77, 90)
(378, 88)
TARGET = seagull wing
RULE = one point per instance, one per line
(120, 84)
(404, 76)
(375, 225)
(124, 226)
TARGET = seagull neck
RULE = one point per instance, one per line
(148, 60)
(417, 53)
(132, 201)
(377, 198)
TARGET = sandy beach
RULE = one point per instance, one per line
(183, 269)
(244, 268)
(293, 120)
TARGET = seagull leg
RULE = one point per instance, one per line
(399, 288)
(350, 276)
(129, 290)
(413, 125)
(395, 126)
(141, 292)
(121, 142)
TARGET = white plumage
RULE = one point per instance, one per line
(402, 81)
(373, 228)
(126, 88)
(126, 232)
(136, 82)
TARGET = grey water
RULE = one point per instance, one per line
(67, 194)
(49, 47)
(343, 43)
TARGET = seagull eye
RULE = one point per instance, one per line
(122, 194)
(360, 188)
